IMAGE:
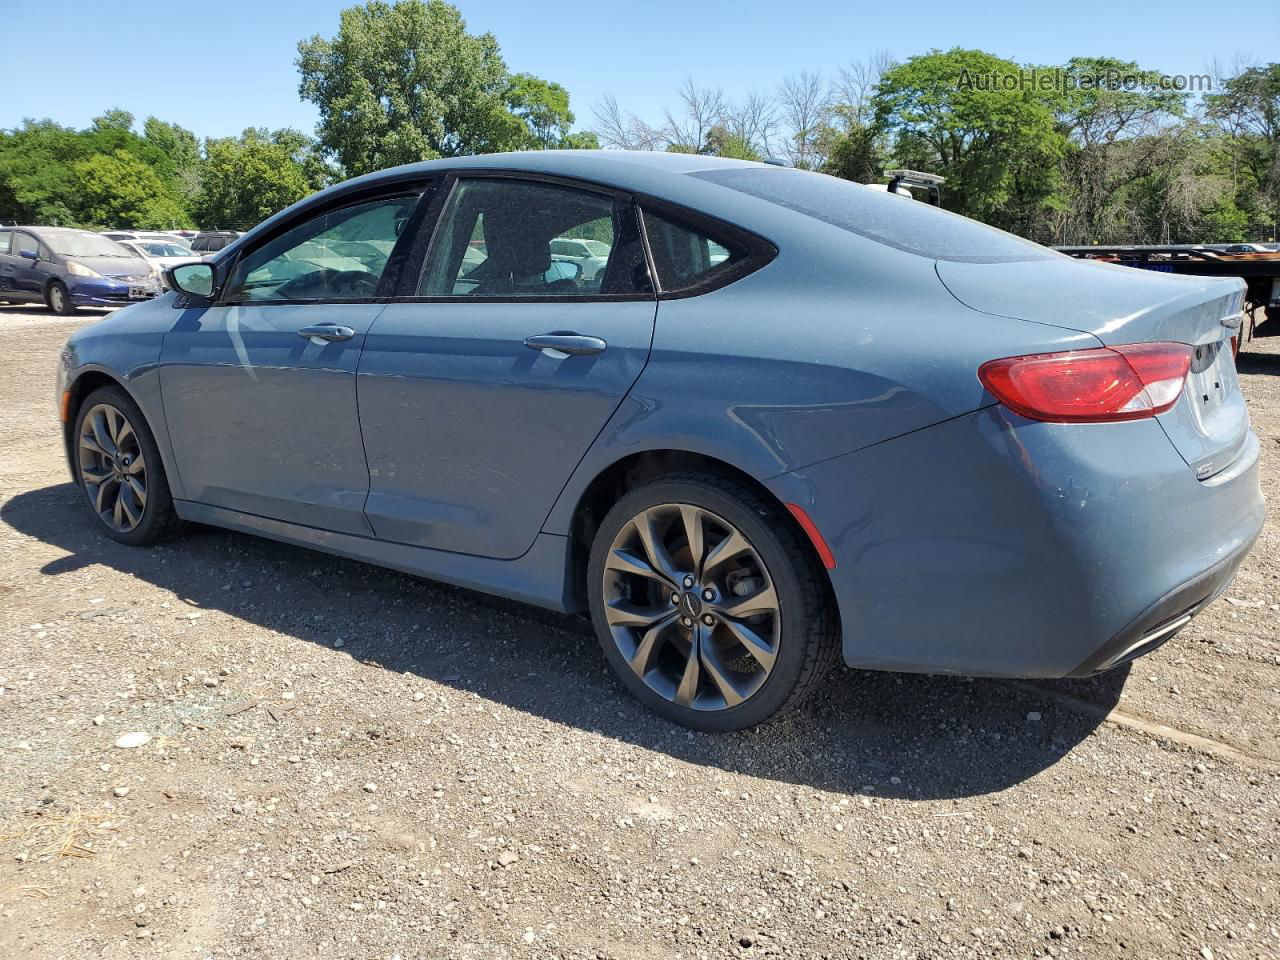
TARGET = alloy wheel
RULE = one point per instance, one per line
(113, 469)
(691, 607)
(57, 299)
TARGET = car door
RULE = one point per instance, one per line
(259, 388)
(484, 386)
(29, 275)
(8, 266)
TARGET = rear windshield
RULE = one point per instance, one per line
(897, 221)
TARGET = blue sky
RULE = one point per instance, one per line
(217, 68)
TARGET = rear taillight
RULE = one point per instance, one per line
(1091, 386)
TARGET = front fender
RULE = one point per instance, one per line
(125, 348)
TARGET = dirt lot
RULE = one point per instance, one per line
(350, 763)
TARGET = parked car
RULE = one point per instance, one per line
(160, 254)
(67, 268)
(874, 429)
(159, 235)
(1246, 248)
(591, 255)
(211, 241)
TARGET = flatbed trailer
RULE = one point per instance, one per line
(1259, 271)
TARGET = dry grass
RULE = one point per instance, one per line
(57, 835)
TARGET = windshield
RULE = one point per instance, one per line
(159, 248)
(84, 245)
(895, 221)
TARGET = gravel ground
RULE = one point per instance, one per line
(349, 763)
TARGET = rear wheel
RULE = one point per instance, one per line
(119, 471)
(59, 300)
(709, 606)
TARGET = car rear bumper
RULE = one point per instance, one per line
(991, 545)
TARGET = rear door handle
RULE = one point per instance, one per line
(329, 332)
(571, 343)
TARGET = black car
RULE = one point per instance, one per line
(211, 241)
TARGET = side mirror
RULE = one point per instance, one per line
(193, 279)
(29, 254)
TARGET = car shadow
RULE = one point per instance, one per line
(900, 735)
(1251, 361)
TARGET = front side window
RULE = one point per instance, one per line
(339, 255)
(515, 238)
(686, 256)
(5, 236)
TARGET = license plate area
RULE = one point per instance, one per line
(1212, 377)
(137, 292)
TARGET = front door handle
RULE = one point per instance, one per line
(328, 332)
(570, 343)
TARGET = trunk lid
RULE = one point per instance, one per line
(1209, 425)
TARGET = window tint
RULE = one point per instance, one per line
(4, 241)
(339, 255)
(685, 256)
(518, 238)
(895, 221)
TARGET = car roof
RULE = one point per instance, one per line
(663, 175)
(50, 230)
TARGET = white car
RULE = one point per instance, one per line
(591, 255)
(160, 254)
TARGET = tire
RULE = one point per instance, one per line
(155, 516)
(800, 634)
(58, 300)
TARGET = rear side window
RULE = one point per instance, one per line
(895, 221)
(5, 236)
(686, 257)
(512, 238)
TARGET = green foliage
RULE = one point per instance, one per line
(998, 147)
(854, 153)
(405, 81)
(105, 175)
(722, 142)
(544, 108)
(117, 188)
(248, 178)
(585, 140)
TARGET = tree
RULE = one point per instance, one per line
(117, 189)
(850, 143)
(405, 81)
(953, 113)
(1248, 112)
(544, 109)
(806, 109)
(584, 140)
(248, 178)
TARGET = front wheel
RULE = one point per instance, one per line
(708, 604)
(59, 300)
(119, 469)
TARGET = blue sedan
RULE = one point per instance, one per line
(789, 419)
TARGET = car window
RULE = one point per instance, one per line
(517, 238)
(686, 256)
(884, 217)
(5, 236)
(339, 255)
(24, 241)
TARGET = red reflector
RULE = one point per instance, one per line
(811, 530)
(1090, 386)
